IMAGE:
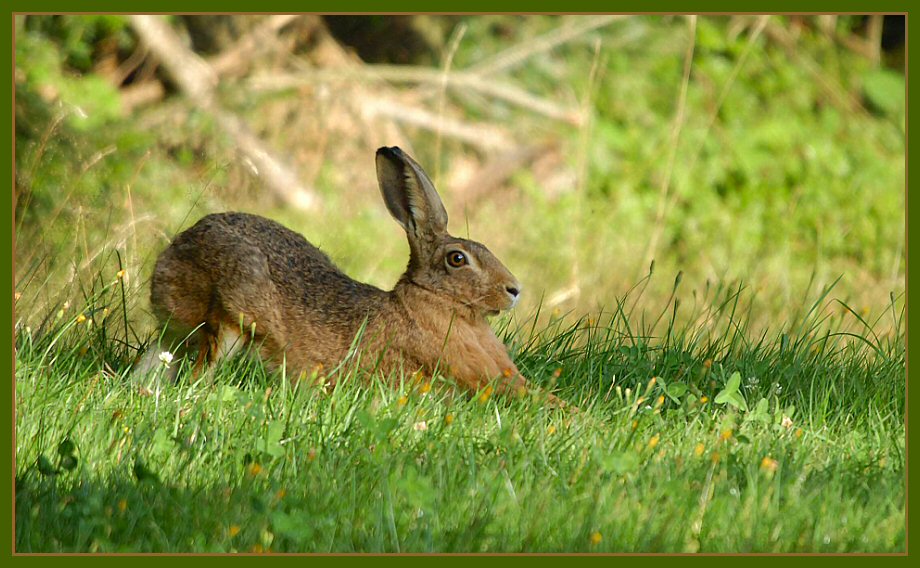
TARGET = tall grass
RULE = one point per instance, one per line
(806, 455)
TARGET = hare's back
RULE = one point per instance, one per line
(247, 259)
(220, 242)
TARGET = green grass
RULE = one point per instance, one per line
(696, 460)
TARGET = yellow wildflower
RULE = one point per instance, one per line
(234, 530)
(699, 449)
(596, 538)
(654, 441)
(769, 464)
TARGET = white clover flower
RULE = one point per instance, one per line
(166, 357)
(787, 422)
(420, 426)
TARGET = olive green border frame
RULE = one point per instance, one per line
(396, 6)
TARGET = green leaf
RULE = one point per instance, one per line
(885, 89)
(621, 462)
(731, 394)
(734, 382)
(736, 400)
(677, 390)
(271, 444)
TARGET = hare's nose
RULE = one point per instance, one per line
(513, 290)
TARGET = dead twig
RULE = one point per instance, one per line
(197, 80)
(237, 58)
(521, 52)
(485, 136)
(231, 62)
(496, 171)
(461, 80)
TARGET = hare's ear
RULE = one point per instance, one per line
(409, 193)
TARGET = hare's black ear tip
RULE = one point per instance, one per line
(391, 152)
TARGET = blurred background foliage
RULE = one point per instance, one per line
(765, 151)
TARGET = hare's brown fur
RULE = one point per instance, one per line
(240, 277)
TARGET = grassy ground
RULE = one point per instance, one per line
(792, 442)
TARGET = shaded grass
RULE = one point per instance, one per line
(246, 462)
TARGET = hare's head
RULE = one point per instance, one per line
(459, 270)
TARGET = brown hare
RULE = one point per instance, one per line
(234, 278)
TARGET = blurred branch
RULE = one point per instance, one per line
(197, 80)
(485, 136)
(519, 53)
(870, 47)
(236, 59)
(380, 102)
(233, 61)
(874, 38)
(496, 171)
(190, 72)
(141, 94)
(422, 75)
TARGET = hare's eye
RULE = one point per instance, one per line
(456, 259)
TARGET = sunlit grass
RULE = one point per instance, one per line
(687, 439)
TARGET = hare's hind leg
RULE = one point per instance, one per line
(217, 342)
(164, 354)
